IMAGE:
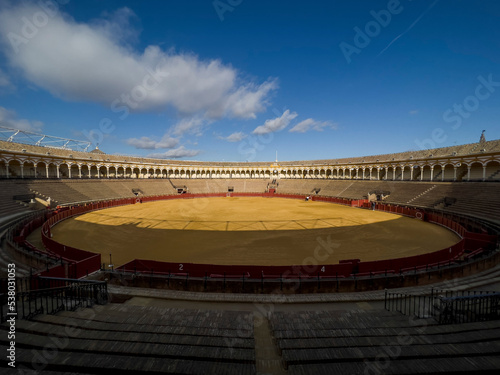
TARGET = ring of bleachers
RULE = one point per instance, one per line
(123, 339)
(474, 199)
(355, 341)
(116, 337)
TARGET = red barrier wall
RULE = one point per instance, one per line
(83, 262)
(79, 263)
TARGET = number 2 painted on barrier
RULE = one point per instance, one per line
(181, 267)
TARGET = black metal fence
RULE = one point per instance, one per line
(447, 306)
(469, 308)
(45, 295)
(420, 306)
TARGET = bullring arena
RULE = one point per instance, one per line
(390, 265)
(279, 232)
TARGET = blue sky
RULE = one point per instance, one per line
(238, 80)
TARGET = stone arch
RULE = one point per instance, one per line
(93, 171)
(476, 171)
(110, 171)
(4, 165)
(120, 172)
(74, 171)
(85, 171)
(41, 171)
(417, 172)
(492, 170)
(437, 172)
(135, 172)
(29, 169)
(448, 172)
(52, 170)
(103, 172)
(14, 168)
(63, 170)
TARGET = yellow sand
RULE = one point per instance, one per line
(263, 231)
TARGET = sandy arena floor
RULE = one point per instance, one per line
(257, 231)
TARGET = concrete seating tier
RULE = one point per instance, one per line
(477, 199)
(216, 185)
(353, 342)
(75, 190)
(126, 339)
(8, 206)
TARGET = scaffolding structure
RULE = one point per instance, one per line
(43, 140)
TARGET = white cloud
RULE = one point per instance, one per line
(176, 153)
(248, 100)
(193, 125)
(146, 143)
(95, 62)
(9, 119)
(413, 112)
(275, 124)
(311, 124)
(117, 26)
(235, 137)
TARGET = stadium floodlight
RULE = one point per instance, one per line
(43, 140)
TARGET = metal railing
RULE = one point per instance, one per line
(9, 226)
(446, 306)
(469, 308)
(46, 295)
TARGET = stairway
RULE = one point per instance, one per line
(421, 194)
(494, 176)
(340, 194)
(461, 175)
